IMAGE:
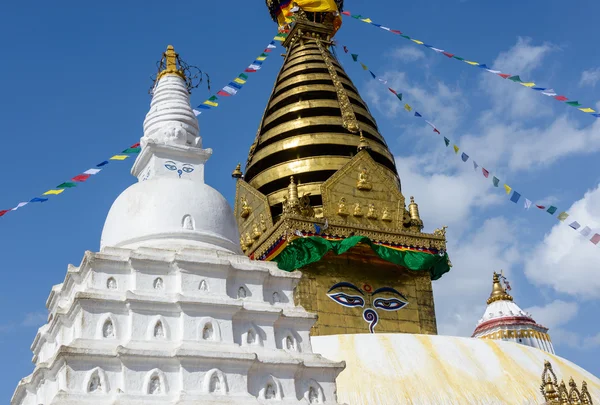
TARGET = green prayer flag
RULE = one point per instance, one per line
(447, 141)
(496, 181)
(357, 16)
(67, 185)
(399, 96)
(213, 98)
(132, 150)
(355, 57)
(516, 79)
(304, 251)
(552, 210)
(405, 36)
(573, 103)
(243, 76)
(458, 58)
(264, 55)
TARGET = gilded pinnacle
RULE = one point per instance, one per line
(237, 173)
(170, 64)
(498, 292)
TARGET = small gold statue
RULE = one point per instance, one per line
(357, 210)
(372, 214)
(385, 216)
(441, 232)
(249, 241)
(263, 223)
(363, 181)
(342, 210)
(243, 244)
(255, 232)
(246, 210)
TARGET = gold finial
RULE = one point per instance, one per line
(363, 144)
(237, 173)
(170, 64)
(415, 217)
(498, 292)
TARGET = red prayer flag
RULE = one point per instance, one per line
(437, 130)
(485, 173)
(250, 71)
(135, 145)
(267, 50)
(595, 239)
(81, 178)
(504, 76)
(346, 13)
(3, 212)
(222, 93)
(541, 207)
(450, 55)
(561, 98)
(396, 32)
(392, 90)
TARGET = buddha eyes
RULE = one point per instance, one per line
(389, 304)
(347, 300)
(188, 169)
(171, 167)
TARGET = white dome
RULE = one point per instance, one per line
(171, 213)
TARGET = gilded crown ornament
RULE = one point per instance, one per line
(237, 173)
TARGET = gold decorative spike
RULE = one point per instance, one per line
(357, 210)
(415, 219)
(574, 394)
(498, 292)
(246, 210)
(342, 210)
(292, 204)
(385, 215)
(169, 63)
(237, 173)
(549, 384)
(586, 398)
(372, 214)
(363, 144)
(440, 232)
(363, 181)
(263, 223)
(255, 232)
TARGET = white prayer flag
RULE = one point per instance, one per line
(586, 231)
(437, 50)
(254, 67)
(271, 46)
(549, 93)
(527, 204)
(196, 112)
(493, 71)
(92, 171)
(21, 204)
(230, 90)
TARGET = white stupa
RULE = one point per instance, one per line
(169, 311)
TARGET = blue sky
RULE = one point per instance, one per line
(75, 82)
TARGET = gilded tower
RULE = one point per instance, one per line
(321, 193)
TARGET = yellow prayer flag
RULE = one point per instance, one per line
(119, 157)
(416, 41)
(472, 63)
(367, 20)
(588, 110)
(456, 149)
(278, 38)
(261, 58)
(210, 103)
(507, 188)
(54, 192)
(407, 107)
(239, 81)
(527, 84)
(562, 216)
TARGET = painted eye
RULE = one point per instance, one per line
(389, 304)
(171, 167)
(347, 300)
(188, 169)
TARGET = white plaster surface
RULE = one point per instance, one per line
(391, 369)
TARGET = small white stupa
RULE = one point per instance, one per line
(505, 320)
(169, 311)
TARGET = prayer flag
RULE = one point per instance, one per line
(272, 45)
(254, 67)
(549, 93)
(239, 80)
(132, 150)
(456, 149)
(472, 63)
(416, 41)
(483, 66)
(561, 98)
(407, 107)
(496, 181)
(261, 58)
(357, 16)
(399, 33)
(551, 210)
(503, 75)
(203, 107)
(458, 58)
(527, 84)
(417, 114)
(4, 212)
(562, 216)
(41, 200)
(345, 49)
(515, 79)
(102, 164)
(367, 20)
(450, 55)
(573, 103)
(596, 115)
(373, 74)
(364, 66)
(515, 197)
(135, 145)
(595, 239)
(464, 157)
(66, 185)
(507, 188)
(586, 231)
(575, 225)
(355, 57)
(437, 130)
(447, 141)
(493, 71)
(382, 81)
(92, 171)
(119, 157)
(235, 85)
(346, 13)
(222, 93)
(475, 165)
(385, 28)
(542, 207)
(211, 103)
(53, 192)
(527, 204)
(21, 204)
(587, 110)
(196, 112)
(81, 177)
(248, 70)
(486, 174)
(230, 90)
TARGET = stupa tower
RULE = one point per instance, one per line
(320, 173)
(169, 311)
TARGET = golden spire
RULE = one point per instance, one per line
(170, 64)
(363, 144)
(413, 210)
(237, 173)
(498, 292)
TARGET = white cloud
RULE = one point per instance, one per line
(408, 54)
(590, 77)
(565, 261)
(554, 314)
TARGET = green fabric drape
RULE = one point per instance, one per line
(304, 251)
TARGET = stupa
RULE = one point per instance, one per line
(169, 311)
(505, 320)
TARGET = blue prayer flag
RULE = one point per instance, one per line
(483, 66)
(102, 164)
(539, 88)
(465, 157)
(373, 74)
(515, 197)
(37, 199)
(237, 86)
(417, 114)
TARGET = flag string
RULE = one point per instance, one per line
(229, 90)
(514, 196)
(549, 92)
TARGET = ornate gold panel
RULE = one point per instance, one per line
(362, 193)
(253, 215)
(312, 188)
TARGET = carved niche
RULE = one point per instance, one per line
(363, 183)
(252, 213)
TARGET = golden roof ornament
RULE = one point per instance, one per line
(415, 218)
(237, 173)
(498, 292)
(363, 143)
(170, 64)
